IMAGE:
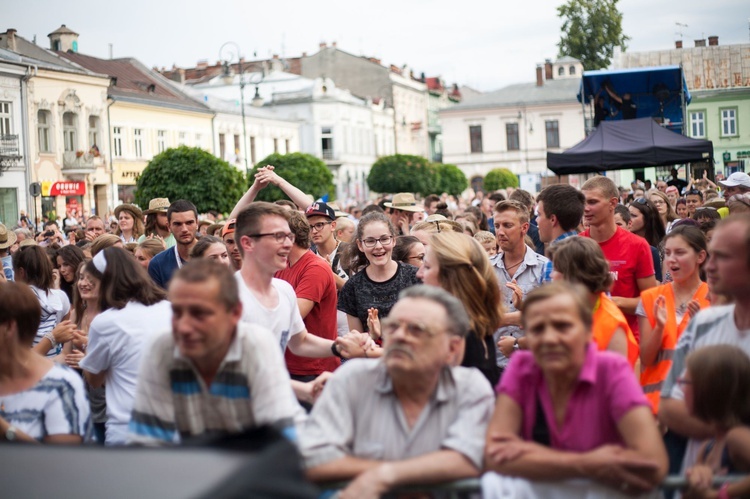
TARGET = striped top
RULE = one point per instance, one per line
(55, 305)
(251, 388)
(56, 405)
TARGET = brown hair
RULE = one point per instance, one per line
(356, 257)
(565, 202)
(138, 227)
(19, 304)
(554, 289)
(299, 225)
(466, 273)
(671, 215)
(510, 205)
(123, 281)
(203, 244)
(727, 403)
(202, 270)
(580, 260)
(250, 219)
(36, 265)
(403, 246)
(152, 246)
(102, 242)
(603, 184)
(740, 218)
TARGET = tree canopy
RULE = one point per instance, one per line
(193, 174)
(499, 178)
(591, 30)
(450, 179)
(403, 173)
(306, 172)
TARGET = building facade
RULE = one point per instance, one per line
(516, 126)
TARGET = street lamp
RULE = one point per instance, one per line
(229, 79)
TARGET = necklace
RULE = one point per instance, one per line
(508, 267)
(684, 302)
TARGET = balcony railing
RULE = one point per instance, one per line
(328, 154)
(79, 161)
(9, 151)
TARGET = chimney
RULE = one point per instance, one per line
(322, 45)
(333, 45)
(547, 69)
(202, 64)
(713, 41)
(678, 44)
(9, 41)
(700, 43)
(304, 54)
(539, 74)
(275, 56)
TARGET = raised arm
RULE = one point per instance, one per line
(297, 196)
(258, 184)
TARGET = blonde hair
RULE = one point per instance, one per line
(485, 236)
(466, 273)
(102, 242)
(603, 184)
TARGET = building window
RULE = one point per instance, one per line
(117, 139)
(8, 205)
(252, 149)
(697, 124)
(511, 134)
(138, 142)
(222, 146)
(198, 139)
(70, 122)
(561, 71)
(572, 70)
(93, 131)
(326, 142)
(161, 140)
(287, 144)
(728, 122)
(275, 146)
(181, 138)
(475, 138)
(5, 119)
(43, 119)
(553, 134)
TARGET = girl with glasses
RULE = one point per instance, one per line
(372, 291)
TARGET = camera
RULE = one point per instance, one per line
(49, 233)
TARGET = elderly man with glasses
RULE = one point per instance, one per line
(408, 417)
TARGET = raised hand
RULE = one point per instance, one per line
(660, 311)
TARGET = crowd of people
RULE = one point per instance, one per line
(599, 333)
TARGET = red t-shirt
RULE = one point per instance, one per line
(629, 259)
(312, 279)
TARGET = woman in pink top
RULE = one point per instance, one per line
(565, 410)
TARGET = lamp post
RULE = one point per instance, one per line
(228, 78)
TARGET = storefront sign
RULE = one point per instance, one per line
(51, 189)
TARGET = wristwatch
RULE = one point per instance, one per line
(335, 350)
(10, 433)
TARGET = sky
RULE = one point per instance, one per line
(483, 44)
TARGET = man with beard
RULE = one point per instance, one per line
(157, 224)
(182, 217)
(408, 417)
(227, 235)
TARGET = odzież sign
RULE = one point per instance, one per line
(65, 189)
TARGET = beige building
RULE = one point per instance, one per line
(66, 115)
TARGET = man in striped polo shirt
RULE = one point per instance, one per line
(212, 374)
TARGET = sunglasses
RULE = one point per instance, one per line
(694, 192)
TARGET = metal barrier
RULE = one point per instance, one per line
(472, 485)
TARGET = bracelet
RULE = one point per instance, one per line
(724, 491)
(51, 338)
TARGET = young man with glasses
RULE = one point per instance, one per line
(322, 220)
(265, 240)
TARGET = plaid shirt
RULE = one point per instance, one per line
(547, 275)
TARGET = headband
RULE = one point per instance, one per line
(100, 262)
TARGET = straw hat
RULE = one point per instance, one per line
(211, 231)
(404, 201)
(7, 237)
(157, 205)
(133, 209)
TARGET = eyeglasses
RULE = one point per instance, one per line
(371, 242)
(319, 226)
(658, 202)
(419, 258)
(412, 329)
(279, 236)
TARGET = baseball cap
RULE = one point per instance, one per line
(320, 209)
(736, 179)
(229, 227)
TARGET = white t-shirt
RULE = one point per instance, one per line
(117, 340)
(711, 326)
(55, 305)
(56, 405)
(284, 321)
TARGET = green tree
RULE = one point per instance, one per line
(450, 179)
(591, 30)
(193, 174)
(499, 178)
(403, 173)
(308, 173)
